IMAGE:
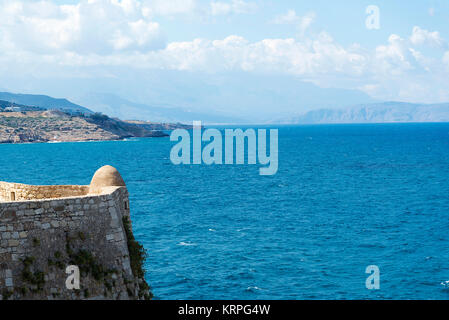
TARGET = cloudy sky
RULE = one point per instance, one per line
(55, 47)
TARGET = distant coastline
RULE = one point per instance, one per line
(385, 112)
(58, 126)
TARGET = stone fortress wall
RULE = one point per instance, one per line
(23, 192)
(44, 229)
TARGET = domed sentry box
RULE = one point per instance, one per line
(106, 176)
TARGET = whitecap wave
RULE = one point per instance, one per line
(182, 243)
(253, 289)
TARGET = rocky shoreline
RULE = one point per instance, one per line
(57, 126)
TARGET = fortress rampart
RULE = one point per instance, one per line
(23, 192)
(44, 229)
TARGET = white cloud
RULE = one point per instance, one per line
(232, 7)
(94, 26)
(421, 36)
(97, 26)
(446, 58)
(311, 58)
(169, 7)
(302, 23)
(46, 38)
(392, 71)
(288, 18)
(393, 58)
(306, 22)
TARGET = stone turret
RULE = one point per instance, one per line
(45, 229)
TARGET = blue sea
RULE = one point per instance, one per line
(345, 197)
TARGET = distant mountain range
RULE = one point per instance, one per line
(42, 101)
(374, 113)
(183, 96)
(233, 97)
(116, 106)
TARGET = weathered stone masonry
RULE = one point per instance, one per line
(21, 192)
(44, 229)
